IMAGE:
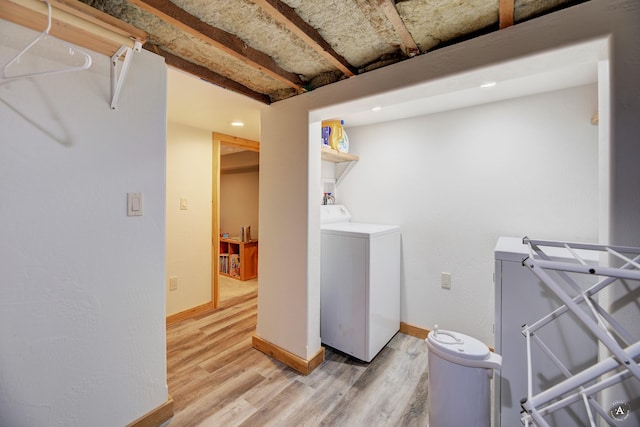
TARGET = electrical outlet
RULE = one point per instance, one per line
(173, 283)
(445, 280)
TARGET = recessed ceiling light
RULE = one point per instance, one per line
(376, 109)
(487, 84)
(237, 124)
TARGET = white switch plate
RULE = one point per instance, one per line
(445, 280)
(184, 205)
(134, 204)
(173, 283)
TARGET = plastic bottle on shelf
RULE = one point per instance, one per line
(343, 146)
(333, 133)
(328, 199)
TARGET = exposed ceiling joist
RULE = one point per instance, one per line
(228, 43)
(506, 13)
(409, 46)
(207, 75)
(271, 50)
(288, 17)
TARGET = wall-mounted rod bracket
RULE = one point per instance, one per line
(117, 81)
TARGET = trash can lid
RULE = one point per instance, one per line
(458, 345)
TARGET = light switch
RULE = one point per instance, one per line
(184, 205)
(445, 280)
(134, 204)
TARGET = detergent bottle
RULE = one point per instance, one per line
(332, 133)
(343, 146)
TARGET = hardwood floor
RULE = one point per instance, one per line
(229, 287)
(217, 379)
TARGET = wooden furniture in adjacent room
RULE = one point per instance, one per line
(239, 259)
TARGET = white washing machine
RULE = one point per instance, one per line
(359, 285)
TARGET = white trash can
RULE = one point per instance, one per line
(460, 368)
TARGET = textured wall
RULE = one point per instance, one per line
(455, 189)
(594, 19)
(189, 251)
(82, 307)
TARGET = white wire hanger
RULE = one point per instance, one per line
(72, 51)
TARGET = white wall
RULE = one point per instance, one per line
(284, 188)
(82, 312)
(458, 180)
(288, 303)
(189, 251)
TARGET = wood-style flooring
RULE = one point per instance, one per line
(230, 288)
(216, 378)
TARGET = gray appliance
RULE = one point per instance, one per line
(521, 298)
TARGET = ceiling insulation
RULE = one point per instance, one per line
(444, 20)
(357, 30)
(525, 9)
(199, 52)
(274, 49)
(257, 29)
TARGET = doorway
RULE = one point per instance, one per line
(226, 143)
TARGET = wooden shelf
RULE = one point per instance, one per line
(334, 156)
(74, 22)
(344, 161)
(239, 259)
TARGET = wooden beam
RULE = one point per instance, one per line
(74, 22)
(506, 13)
(408, 44)
(208, 75)
(226, 42)
(284, 14)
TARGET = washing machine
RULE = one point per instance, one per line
(359, 284)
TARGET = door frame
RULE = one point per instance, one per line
(234, 141)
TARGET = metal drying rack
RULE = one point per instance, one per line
(624, 349)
